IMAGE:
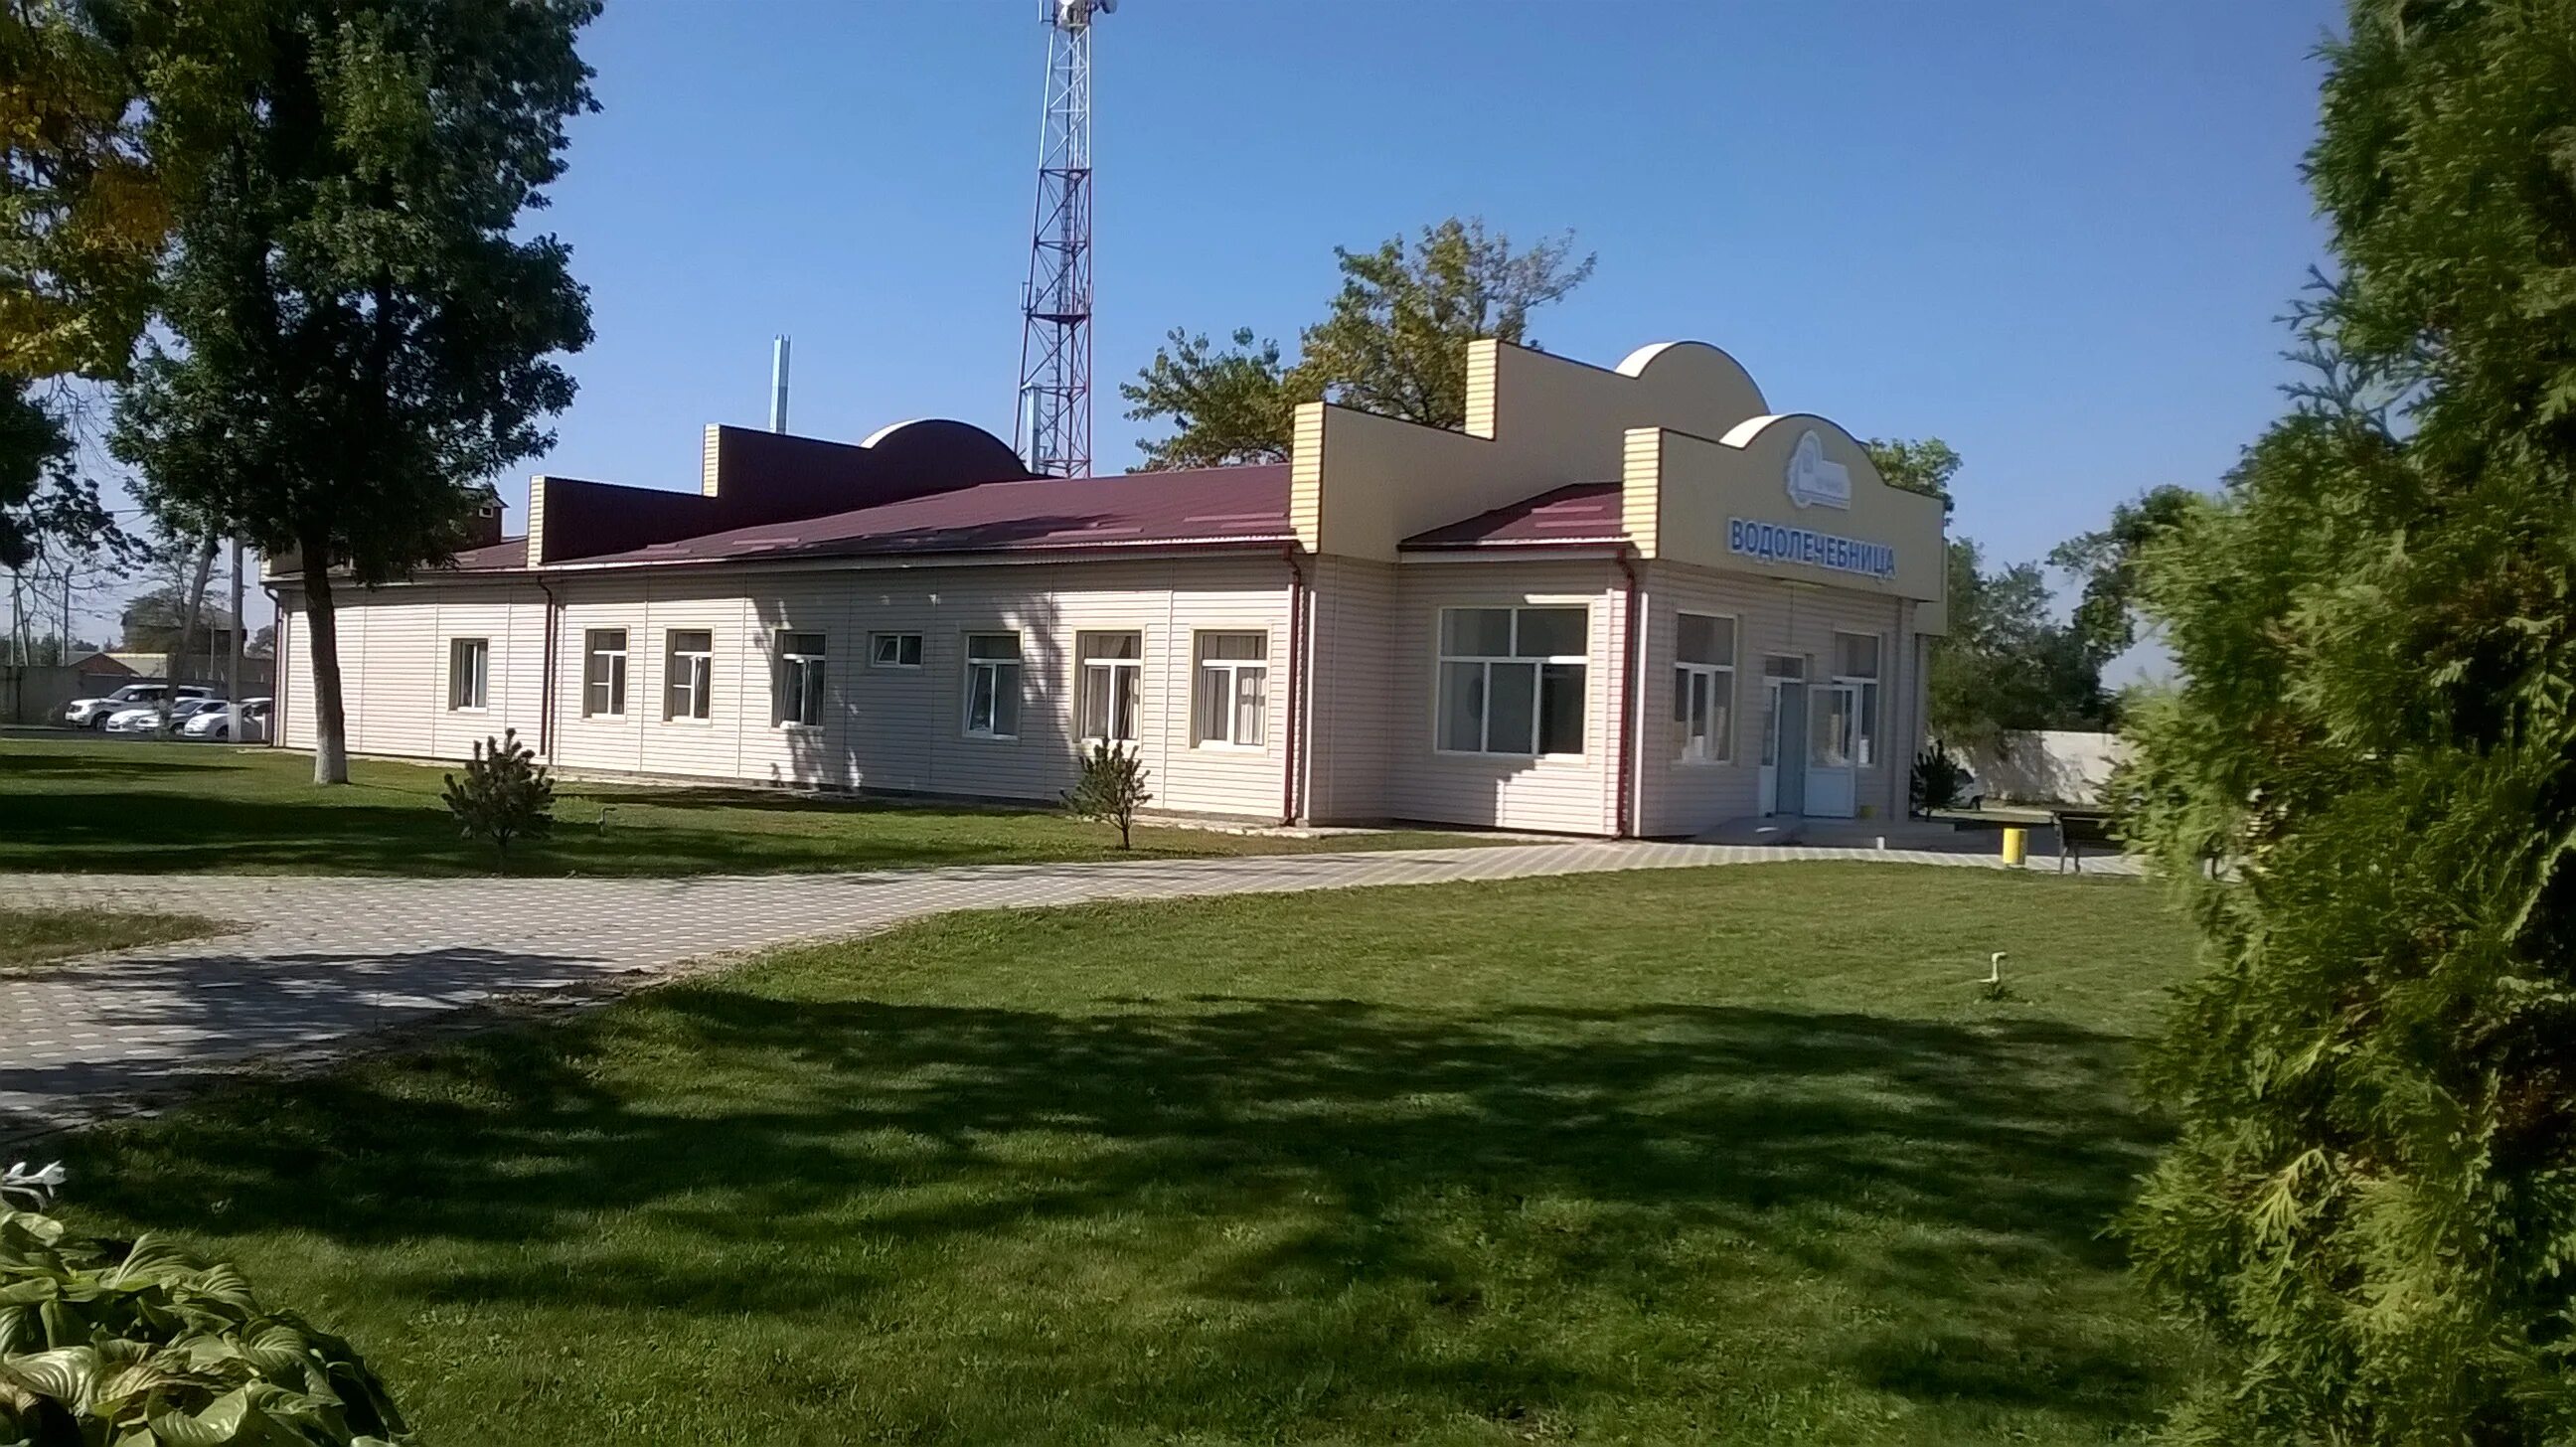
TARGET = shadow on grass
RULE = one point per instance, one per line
(100, 764)
(791, 800)
(1959, 1173)
(224, 1006)
(143, 832)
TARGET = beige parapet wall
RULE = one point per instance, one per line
(1684, 497)
(1362, 484)
(1680, 426)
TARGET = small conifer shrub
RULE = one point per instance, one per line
(1111, 789)
(504, 794)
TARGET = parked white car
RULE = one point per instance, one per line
(146, 718)
(93, 713)
(215, 722)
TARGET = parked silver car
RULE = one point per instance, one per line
(215, 722)
(93, 713)
(146, 718)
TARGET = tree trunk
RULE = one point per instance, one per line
(322, 640)
(191, 608)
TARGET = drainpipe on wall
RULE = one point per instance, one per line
(276, 669)
(1297, 595)
(1626, 762)
(1900, 770)
(546, 685)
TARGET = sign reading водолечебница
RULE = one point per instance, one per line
(1814, 481)
(1775, 543)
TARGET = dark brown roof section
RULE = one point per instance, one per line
(1210, 506)
(750, 478)
(1585, 513)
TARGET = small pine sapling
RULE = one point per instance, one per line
(505, 794)
(1938, 778)
(1111, 789)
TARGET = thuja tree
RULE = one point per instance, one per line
(2372, 1196)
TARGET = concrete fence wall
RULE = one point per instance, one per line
(2062, 766)
(35, 694)
(32, 694)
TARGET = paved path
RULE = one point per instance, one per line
(326, 959)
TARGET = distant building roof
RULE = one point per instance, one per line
(1583, 513)
(507, 554)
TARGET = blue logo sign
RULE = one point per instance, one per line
(1774, 543)
(1815, 481)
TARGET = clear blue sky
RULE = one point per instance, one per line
(2054, 234)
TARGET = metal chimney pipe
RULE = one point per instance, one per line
(778, 387)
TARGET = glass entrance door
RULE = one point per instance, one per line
(1784, 718)
(1833, 734)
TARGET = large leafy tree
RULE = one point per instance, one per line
(85, 210)
(2372, 1198)
(1923, 465)
(1229, 405)
(1392, 342)
(83, 216)
(2105, 564)
(359, 333)
(2006, 664)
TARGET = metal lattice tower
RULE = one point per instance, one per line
(1054, 427)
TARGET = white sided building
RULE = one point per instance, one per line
(1633, 601)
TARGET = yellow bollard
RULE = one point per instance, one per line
(2016, 844)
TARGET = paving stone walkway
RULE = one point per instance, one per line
(323, 961)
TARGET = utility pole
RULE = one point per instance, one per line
(233, 665)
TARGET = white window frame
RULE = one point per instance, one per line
(1116, 674)
(611, 677)
(1233, 671)
(1864, 749)
(809, 670)
(1720, 678)
(1441, 659)
(1016, 668)
(701, 664)
(877, 646)
(469, 689)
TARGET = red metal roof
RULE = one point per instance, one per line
(1209, 505)
(1585, 512)
(1205, 506)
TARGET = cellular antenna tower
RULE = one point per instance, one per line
(1054, 428)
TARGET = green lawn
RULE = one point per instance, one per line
(1736, 1155)
(40, 936)
(77, 802)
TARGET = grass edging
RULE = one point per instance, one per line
(31, 939)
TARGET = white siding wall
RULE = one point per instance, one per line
(894, 729)
(1772, 618)
(293, 710)
(394, 653)
(1356, 692)
(1373, 685)
(1557, 795)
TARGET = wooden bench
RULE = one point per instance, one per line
(2077, 828)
